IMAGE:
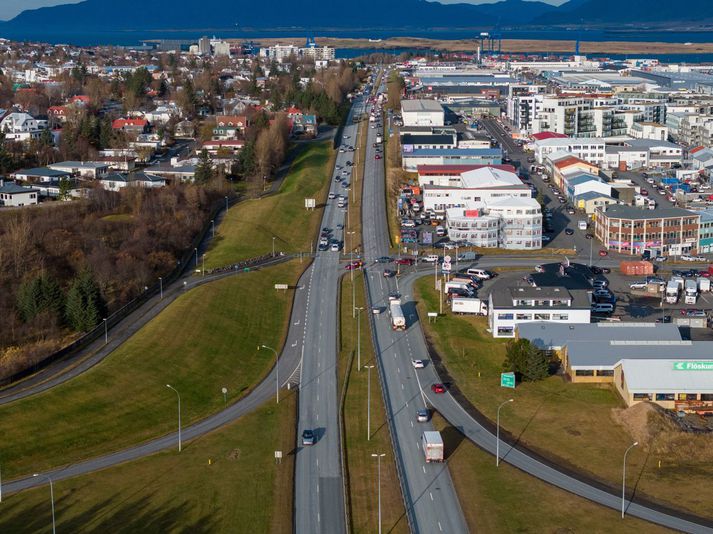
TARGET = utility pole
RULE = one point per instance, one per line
(368, 402)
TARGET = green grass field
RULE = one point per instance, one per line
(242, 489)
(361, 467)
(503, 500)
(204, 341)
(570, 422)
(248, 228)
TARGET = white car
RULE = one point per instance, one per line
(335, 247)
(660, 259)
(417, 364)
(431, 258)
(408, 223)
(686, 257)
(638, 285)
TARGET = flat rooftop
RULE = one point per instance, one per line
(548, 335)
(608, 353)
(620, 211)
(421, 105)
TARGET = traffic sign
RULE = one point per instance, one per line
(446, 259)
(693, 366)
(507, 380)
(446, 267)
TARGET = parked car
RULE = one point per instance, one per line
(601, 293)
(569, 231)
(602, 309)
(638, 285)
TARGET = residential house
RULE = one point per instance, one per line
(13, 195)
(116, 181)
(229, 146)
(22, 127)
(84, 169)
(135, 126)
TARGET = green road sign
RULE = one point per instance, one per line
(507, 380)
(693, 366)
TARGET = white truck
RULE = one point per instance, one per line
(691, 291)
(379, 140)
(672, 292)
(704, 285)
(582, 225)
(466, 305)
(432, 444)
(398, 321)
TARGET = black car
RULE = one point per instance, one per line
(589, 236)
(569, 231)
(384, 259)
(664, 319)
(307, 437)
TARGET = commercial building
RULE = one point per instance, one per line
(412, 158)
(644, 361)
(511, 223)
(510, 307)
(422, 113)
(450, 175)
(591, 150)
(661, 231)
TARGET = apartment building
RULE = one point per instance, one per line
(590, 149)
(583, 116)
(661, 231)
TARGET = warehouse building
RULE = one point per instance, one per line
(422, 113)
(644, 361)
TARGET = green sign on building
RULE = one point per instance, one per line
(507, 380)
(693, 366)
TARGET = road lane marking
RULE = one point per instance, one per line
(440, 527)
(424, 469)
(431, 494)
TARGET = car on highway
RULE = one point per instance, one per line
(384, 259)
(418, 364)
(378, 156)
(332, 196)
(388, 273)
(423, 415)
(335, 247)
(307, 437)
(438, 388)
(394, 295)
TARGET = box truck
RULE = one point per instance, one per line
(672, 292)
(432, 444)
(704, 285)
(398, 321)
(466, 305)
(691, 291)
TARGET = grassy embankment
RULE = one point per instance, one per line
(504, 499)
(572, 423)
(361, 467)
(174, 493)
(202, 342)
(248, 228)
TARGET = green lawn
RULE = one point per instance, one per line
(504, 499)
(248, 228)
(204, 341)
(178, 493)
(570, 422)
(361, 467)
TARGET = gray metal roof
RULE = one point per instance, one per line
(608, 353)
(421, 105)
(620, 211)
(546, 335)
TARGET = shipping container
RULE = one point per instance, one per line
(637, 268)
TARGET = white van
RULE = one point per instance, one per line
(603, 308)
(431, 258)
(480, 273)
(582, 225)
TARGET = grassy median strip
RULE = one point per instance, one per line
(572, 424)
(227, 481)
(202, 342)
(504, 499)
(248, 228)
(361, 466)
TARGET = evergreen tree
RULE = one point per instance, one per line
(41, 294)
(84, 307)
(526, 360)
(204, 169)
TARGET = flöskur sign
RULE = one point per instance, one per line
(693, 366)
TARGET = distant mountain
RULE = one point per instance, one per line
(628, 12)
(511, 12)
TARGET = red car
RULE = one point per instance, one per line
(378, 156)
(405, 261)
(603, 253)
(353, 265)
(438, 388)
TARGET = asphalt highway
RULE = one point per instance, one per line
(432, 505)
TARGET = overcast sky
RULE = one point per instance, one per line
(10, 8)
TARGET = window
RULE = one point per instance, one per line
(506, 316)
(524, 317)
(542, 317)
(642, 396)
(505, 331)
(665, 396)
(584, 372)
(605, 372)
(560, 316)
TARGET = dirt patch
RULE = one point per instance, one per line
(661, 434)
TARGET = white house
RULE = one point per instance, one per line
(510, 306)
(85, 169)
(590, 149)
(116, 181)
(22, 127)
(13, 195)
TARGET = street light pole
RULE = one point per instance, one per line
(179, 414)
(226, 203)
(497, 434)
(54, 526)
(160, 282)
(106, 332)
(273, 246)
(368, 402)
(277, 373)
(378, 463)
(212, 224)
(623, 479)
(196, 250)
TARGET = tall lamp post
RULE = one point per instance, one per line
(196, 251)
(368, 402)
(273, 246)
(54, 526)
(212, 225)
(497, 434)
(378, 463)
(623, 479)
(179, 415)
(359, 310)
(106, 332)
(277, 373)
(160, 282)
